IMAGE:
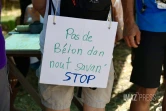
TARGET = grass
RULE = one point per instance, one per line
(9, 19)
(121, 86)
(122, 63)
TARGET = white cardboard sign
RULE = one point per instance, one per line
(77, 52)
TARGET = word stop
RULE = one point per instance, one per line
(79, 77)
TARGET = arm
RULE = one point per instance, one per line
(40, 6)
(131, 31)
(128, 10)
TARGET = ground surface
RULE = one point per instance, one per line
(122, 63)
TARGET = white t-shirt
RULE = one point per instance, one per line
(43, 32)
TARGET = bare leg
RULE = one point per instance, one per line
(88, 108)
(142, 99)
(47, 109)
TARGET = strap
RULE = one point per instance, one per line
(51, 6)
(112, 10)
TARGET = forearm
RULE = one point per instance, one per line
(128, 10)
(40, 6)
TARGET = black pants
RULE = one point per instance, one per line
(148, 59)
(23, 5)
(23, 63)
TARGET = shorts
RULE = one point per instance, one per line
(60, 97)
(4, 90)
(148, 59)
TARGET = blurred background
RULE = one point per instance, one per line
(19, 12)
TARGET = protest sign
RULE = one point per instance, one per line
(77, 52)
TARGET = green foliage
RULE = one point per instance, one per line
(8, 23)
(122, 55)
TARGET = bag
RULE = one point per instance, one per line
(35, 27)
(86, 9)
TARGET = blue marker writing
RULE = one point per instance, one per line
(79, 77)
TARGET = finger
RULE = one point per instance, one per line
(132, 42)
(127, 41)
(138, 37)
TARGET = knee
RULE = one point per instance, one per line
(142, 90)
(89, 108)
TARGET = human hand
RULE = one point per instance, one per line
(131, 34)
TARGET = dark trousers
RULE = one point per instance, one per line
(23, 5)
(23, 63)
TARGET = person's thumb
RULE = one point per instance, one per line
(138, 37)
